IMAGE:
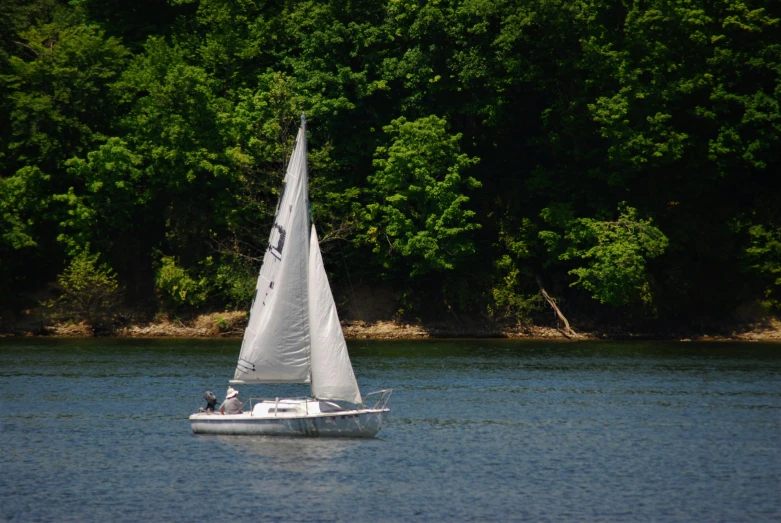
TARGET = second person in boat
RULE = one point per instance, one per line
(232, 403)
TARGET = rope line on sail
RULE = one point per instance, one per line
(246, 366)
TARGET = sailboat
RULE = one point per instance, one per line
(294, 336)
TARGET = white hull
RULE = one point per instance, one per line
(362, 423)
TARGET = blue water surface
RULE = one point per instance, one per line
(480, 430)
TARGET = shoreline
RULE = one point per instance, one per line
(231, 325)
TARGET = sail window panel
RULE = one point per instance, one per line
(281, 240)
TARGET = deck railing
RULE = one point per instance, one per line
(383, 396)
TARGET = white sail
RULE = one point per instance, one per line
(332, 373)
(275, 348)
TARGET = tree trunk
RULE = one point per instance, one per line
(567, 331)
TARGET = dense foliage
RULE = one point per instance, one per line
(463, 152)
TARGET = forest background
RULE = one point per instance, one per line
(468, 157)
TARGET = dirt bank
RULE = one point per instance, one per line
(231, 325)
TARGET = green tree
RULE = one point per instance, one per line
(89, 291)
(418, 190)
(23, 204)
(610, 256)
(55, 95)
(169, 174)
(514, 293)
(59, 90)
(177, 286)
(113, 204)
(763, 258)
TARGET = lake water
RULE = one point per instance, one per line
(480, 430)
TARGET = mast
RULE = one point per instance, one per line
(309, 214)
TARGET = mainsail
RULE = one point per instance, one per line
(275, 348)
(293, 334)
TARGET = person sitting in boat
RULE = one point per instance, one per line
(211, 401)
(232, 403)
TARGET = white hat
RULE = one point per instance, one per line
(231, 393)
